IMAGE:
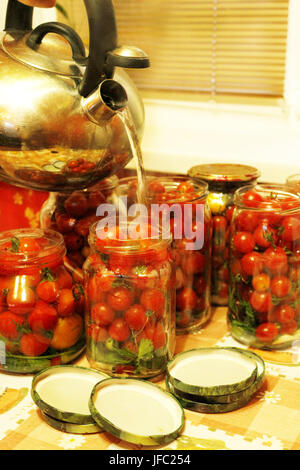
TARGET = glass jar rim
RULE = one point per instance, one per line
(129, 245)
(201, 187)
(272, 188)
(39, 256)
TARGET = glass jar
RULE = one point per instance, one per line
(72, 214)
(223, 180)
(130, 321)
(41, 319)
(293, 182)
(264, 301)
(183, 204)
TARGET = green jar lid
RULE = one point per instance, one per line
(63, 392)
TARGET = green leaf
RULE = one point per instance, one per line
(15, 242)
(145, 351)
(47, 275)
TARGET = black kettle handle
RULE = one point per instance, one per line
(18, 17)
(102, 30)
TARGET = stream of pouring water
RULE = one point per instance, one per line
(135, 148)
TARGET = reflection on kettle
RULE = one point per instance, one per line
(59, 123)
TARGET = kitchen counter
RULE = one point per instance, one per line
(270, 421)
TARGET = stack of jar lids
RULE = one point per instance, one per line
(215, 380)
(81, 400)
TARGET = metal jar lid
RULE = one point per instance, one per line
(224, 172)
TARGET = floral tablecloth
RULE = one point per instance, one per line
(271, 421)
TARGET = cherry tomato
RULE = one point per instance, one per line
(63, 278)
(281, 286)
(95, 294)
(291, 229)
(247, 221)
(264, 236)
(229, 213)
(243, 242)
(10, 325)
(120, 264)
(193, 262)
(135, 317)
(261, 282)
(47, 291)
(200, 285)
(120, 298)
(261, 301)
(145, 276)
(97, 333)
(159, 336)
(284, 314)
(219, 223)
(43, 317)
(251, 264)
(275, 259)
(82, 226)
(105, 281)
(186, 299)
(156, 187)
(102, 314)
(267, 332)
(21, 298)
(185, 187)
(289, 328)
(65, 224)
(153, 299)
(33, 344)
(76, 204)
(65, 302)
(119, 330)
(252, 198)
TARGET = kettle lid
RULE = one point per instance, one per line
(53, 54)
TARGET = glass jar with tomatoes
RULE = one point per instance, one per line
(130, 321)
(71, 214)
(42, 306)
(185, 213)
(264, 303)
(223, 180)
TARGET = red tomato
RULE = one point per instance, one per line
(94, 293)
(145, 277)
(252, 198)
(33, 344)
(64, 223)
(135, 317)
(264, 235)
(97, 333)
(289, 328)
(291, 229)
(243, 242)
(261, 301)
(185, 187)
(261, 282)
(156, 187)
(119, 330)
(200, 285)
(284, 314)
(153, 299)
(266, 332)
(21, 298)
(102, 314)
(10, 324)
(28, 245)
(120, 298)
(63, 278)
(219, 223)
(251, 264)
(186, 299)
(247, 221)
(159, 336)
(43, 317)
(47, 291)
(120, 264)
(223, 273)
(229, 214)
(281, 286)
(76, 204)
(65, 303)
(193, 262)
(275, 259)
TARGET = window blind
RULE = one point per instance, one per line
(204, 46)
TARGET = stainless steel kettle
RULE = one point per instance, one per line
(60, 125)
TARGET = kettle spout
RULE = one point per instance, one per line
(103, 103)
